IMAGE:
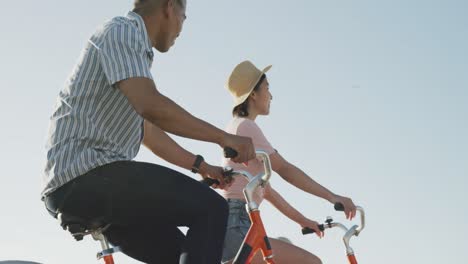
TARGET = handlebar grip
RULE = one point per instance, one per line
(209, 181)
(307, 230)
(230, 152)
(339, 207)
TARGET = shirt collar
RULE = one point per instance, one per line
(141, 26)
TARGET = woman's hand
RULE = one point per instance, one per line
(215, 173)
(313, 225)
(349, 207)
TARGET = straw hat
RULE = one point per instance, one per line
(242, 81)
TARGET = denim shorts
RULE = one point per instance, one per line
(237, 227)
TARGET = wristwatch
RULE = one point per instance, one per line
(197, 163)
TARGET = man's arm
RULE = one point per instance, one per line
(165, 147)
(164, 113)
(162, 145)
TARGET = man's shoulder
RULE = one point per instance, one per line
(121, 21)
(116, 25)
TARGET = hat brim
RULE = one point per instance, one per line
(241, 99)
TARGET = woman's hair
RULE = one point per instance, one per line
(242, 109)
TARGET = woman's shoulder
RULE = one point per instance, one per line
(248, 127)
(242, 122)
(244, 127)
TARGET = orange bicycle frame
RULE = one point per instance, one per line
(108, 259)
(352, 259)
(255, 240)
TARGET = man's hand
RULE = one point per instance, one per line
(216, 173)
(349, 207)
(243, 145)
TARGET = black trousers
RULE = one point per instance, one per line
(145, 203)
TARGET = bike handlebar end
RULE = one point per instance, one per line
(209, 181)
(308, 230)
(230, 152)
(339, 207)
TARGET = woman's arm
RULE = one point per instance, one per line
(298, 178)
(301, 180)
(289, 211)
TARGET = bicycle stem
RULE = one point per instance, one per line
(257, 181)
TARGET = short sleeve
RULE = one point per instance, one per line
(250, 129)
(123, 55)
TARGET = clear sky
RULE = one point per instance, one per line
(370, 99)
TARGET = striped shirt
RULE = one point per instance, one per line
(93, 123)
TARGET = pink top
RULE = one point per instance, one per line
(248, 128)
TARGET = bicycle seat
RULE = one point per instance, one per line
(79, 226)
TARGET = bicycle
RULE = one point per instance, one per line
(355, 230)
(256, 238)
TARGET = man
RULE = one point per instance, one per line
(107, 109)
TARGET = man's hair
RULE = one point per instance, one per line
(145, 7)
(242, 109)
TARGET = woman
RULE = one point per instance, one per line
(250, 90)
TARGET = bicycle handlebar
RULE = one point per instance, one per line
(329, 222)
(349, 232)
(228, 153)
(231, 153)
(259, 180)
(266, 164)
(322, 227)
(209, 181)
(339, 207)
(308, 230)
